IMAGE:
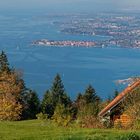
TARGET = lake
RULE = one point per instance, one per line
(78, 67)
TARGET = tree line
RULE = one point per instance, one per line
(17, 102)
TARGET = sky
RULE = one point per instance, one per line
(70, 5)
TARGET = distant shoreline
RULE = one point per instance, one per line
(66, 43)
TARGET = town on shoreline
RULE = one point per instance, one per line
(46, 42)
(123, 29)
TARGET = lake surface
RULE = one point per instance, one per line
(78, 67)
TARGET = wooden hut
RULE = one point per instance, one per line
(116, 116)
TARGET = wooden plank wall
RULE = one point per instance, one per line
(125, 120)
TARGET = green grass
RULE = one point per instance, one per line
(39, 130)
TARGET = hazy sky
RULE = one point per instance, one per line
(72, 5)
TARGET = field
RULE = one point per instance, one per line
(39, 130)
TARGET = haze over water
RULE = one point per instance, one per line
(70, 6)
(77, 66)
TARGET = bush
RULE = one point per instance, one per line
(107, 123)
(62, 115)
(118, 125)
(42, 116)
(131, 136)
(136, 125)
(90, 121)
(96, 137)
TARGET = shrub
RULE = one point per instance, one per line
(118, 125)
(96, 137)
(62, 115)
(136, 124)
(42, 116)
(107, 123)
(131, 136)
(90, 121)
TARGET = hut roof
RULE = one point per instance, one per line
(119, 98)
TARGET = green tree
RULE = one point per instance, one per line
(90, 95)
(4, 64)
(31, 104)
(56, 95)
(79, 97)
(88, 104)
(80, 104)
(92, 101)
(58, 92)
(47, 105)
(116, 93)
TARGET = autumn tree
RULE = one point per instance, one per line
(10, 89)
(11, 85)
(132, 104)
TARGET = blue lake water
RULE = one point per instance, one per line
(78, 66)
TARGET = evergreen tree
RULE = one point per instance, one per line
(47, 105)
(80, 102)
(57, 89)
(88, 103)
(56, 95)
(90, 95)
(59, 95)
(4, 64)
(116, 93)
(31, 105)
(79, 97)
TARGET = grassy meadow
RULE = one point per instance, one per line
(39, 130)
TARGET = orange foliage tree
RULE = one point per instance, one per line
(11, 86)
